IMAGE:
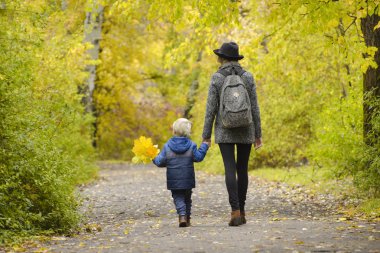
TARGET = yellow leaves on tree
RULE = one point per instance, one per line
(144, 150)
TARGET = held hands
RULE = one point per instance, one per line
(207, 141)
(258, 143)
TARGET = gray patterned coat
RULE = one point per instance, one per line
(245, 135)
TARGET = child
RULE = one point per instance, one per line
(178, 156)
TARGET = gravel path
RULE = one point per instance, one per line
(130, 210)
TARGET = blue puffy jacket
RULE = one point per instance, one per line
(178, 156)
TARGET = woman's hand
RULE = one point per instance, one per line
(258, 143)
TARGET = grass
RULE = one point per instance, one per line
(371, 208)
(322, 180)
(292, 176)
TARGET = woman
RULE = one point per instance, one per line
(228, 138)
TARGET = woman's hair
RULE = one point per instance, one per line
(182, 127)
(224, 59)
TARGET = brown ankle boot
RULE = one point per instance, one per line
(235, 218)
(182, 221)
(188, 218)
(242, 217)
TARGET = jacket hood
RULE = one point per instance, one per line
(179, 145)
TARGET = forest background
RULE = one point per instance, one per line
(81, 80)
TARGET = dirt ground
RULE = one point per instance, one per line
(130, 210)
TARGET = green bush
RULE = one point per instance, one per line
(367, 173)
(45, 136)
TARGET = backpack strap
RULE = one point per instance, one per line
(241, 72)
(223, 72)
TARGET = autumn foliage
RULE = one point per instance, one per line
(45, 135)
(307, 59)
(144, 150)
(155, 64)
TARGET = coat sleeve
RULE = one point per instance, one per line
(199, 154)
(211, 106)
(160, 159)
(254, 105)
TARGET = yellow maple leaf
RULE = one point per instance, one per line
(144, 150)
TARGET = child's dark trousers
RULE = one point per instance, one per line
(182, 201)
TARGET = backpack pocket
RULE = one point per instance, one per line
(240, 118)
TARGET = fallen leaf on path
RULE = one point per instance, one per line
(41, 250)
(60, 238)
(150, 213)
(371, 238)
(18, 248)
(157, 225)
(93, 227)
(130, 221)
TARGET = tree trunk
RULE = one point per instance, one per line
(372, 76)
(63, 5)
(93, 31)
(193, 89)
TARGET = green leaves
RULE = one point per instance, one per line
(45, 139)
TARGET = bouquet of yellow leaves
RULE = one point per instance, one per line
(144, 150)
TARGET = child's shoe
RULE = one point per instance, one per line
(182, 221)
(235, 218)
(188, 218)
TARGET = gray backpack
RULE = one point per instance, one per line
(235, 104)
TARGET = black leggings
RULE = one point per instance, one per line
(237, 188)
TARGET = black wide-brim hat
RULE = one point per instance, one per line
(229, 51)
